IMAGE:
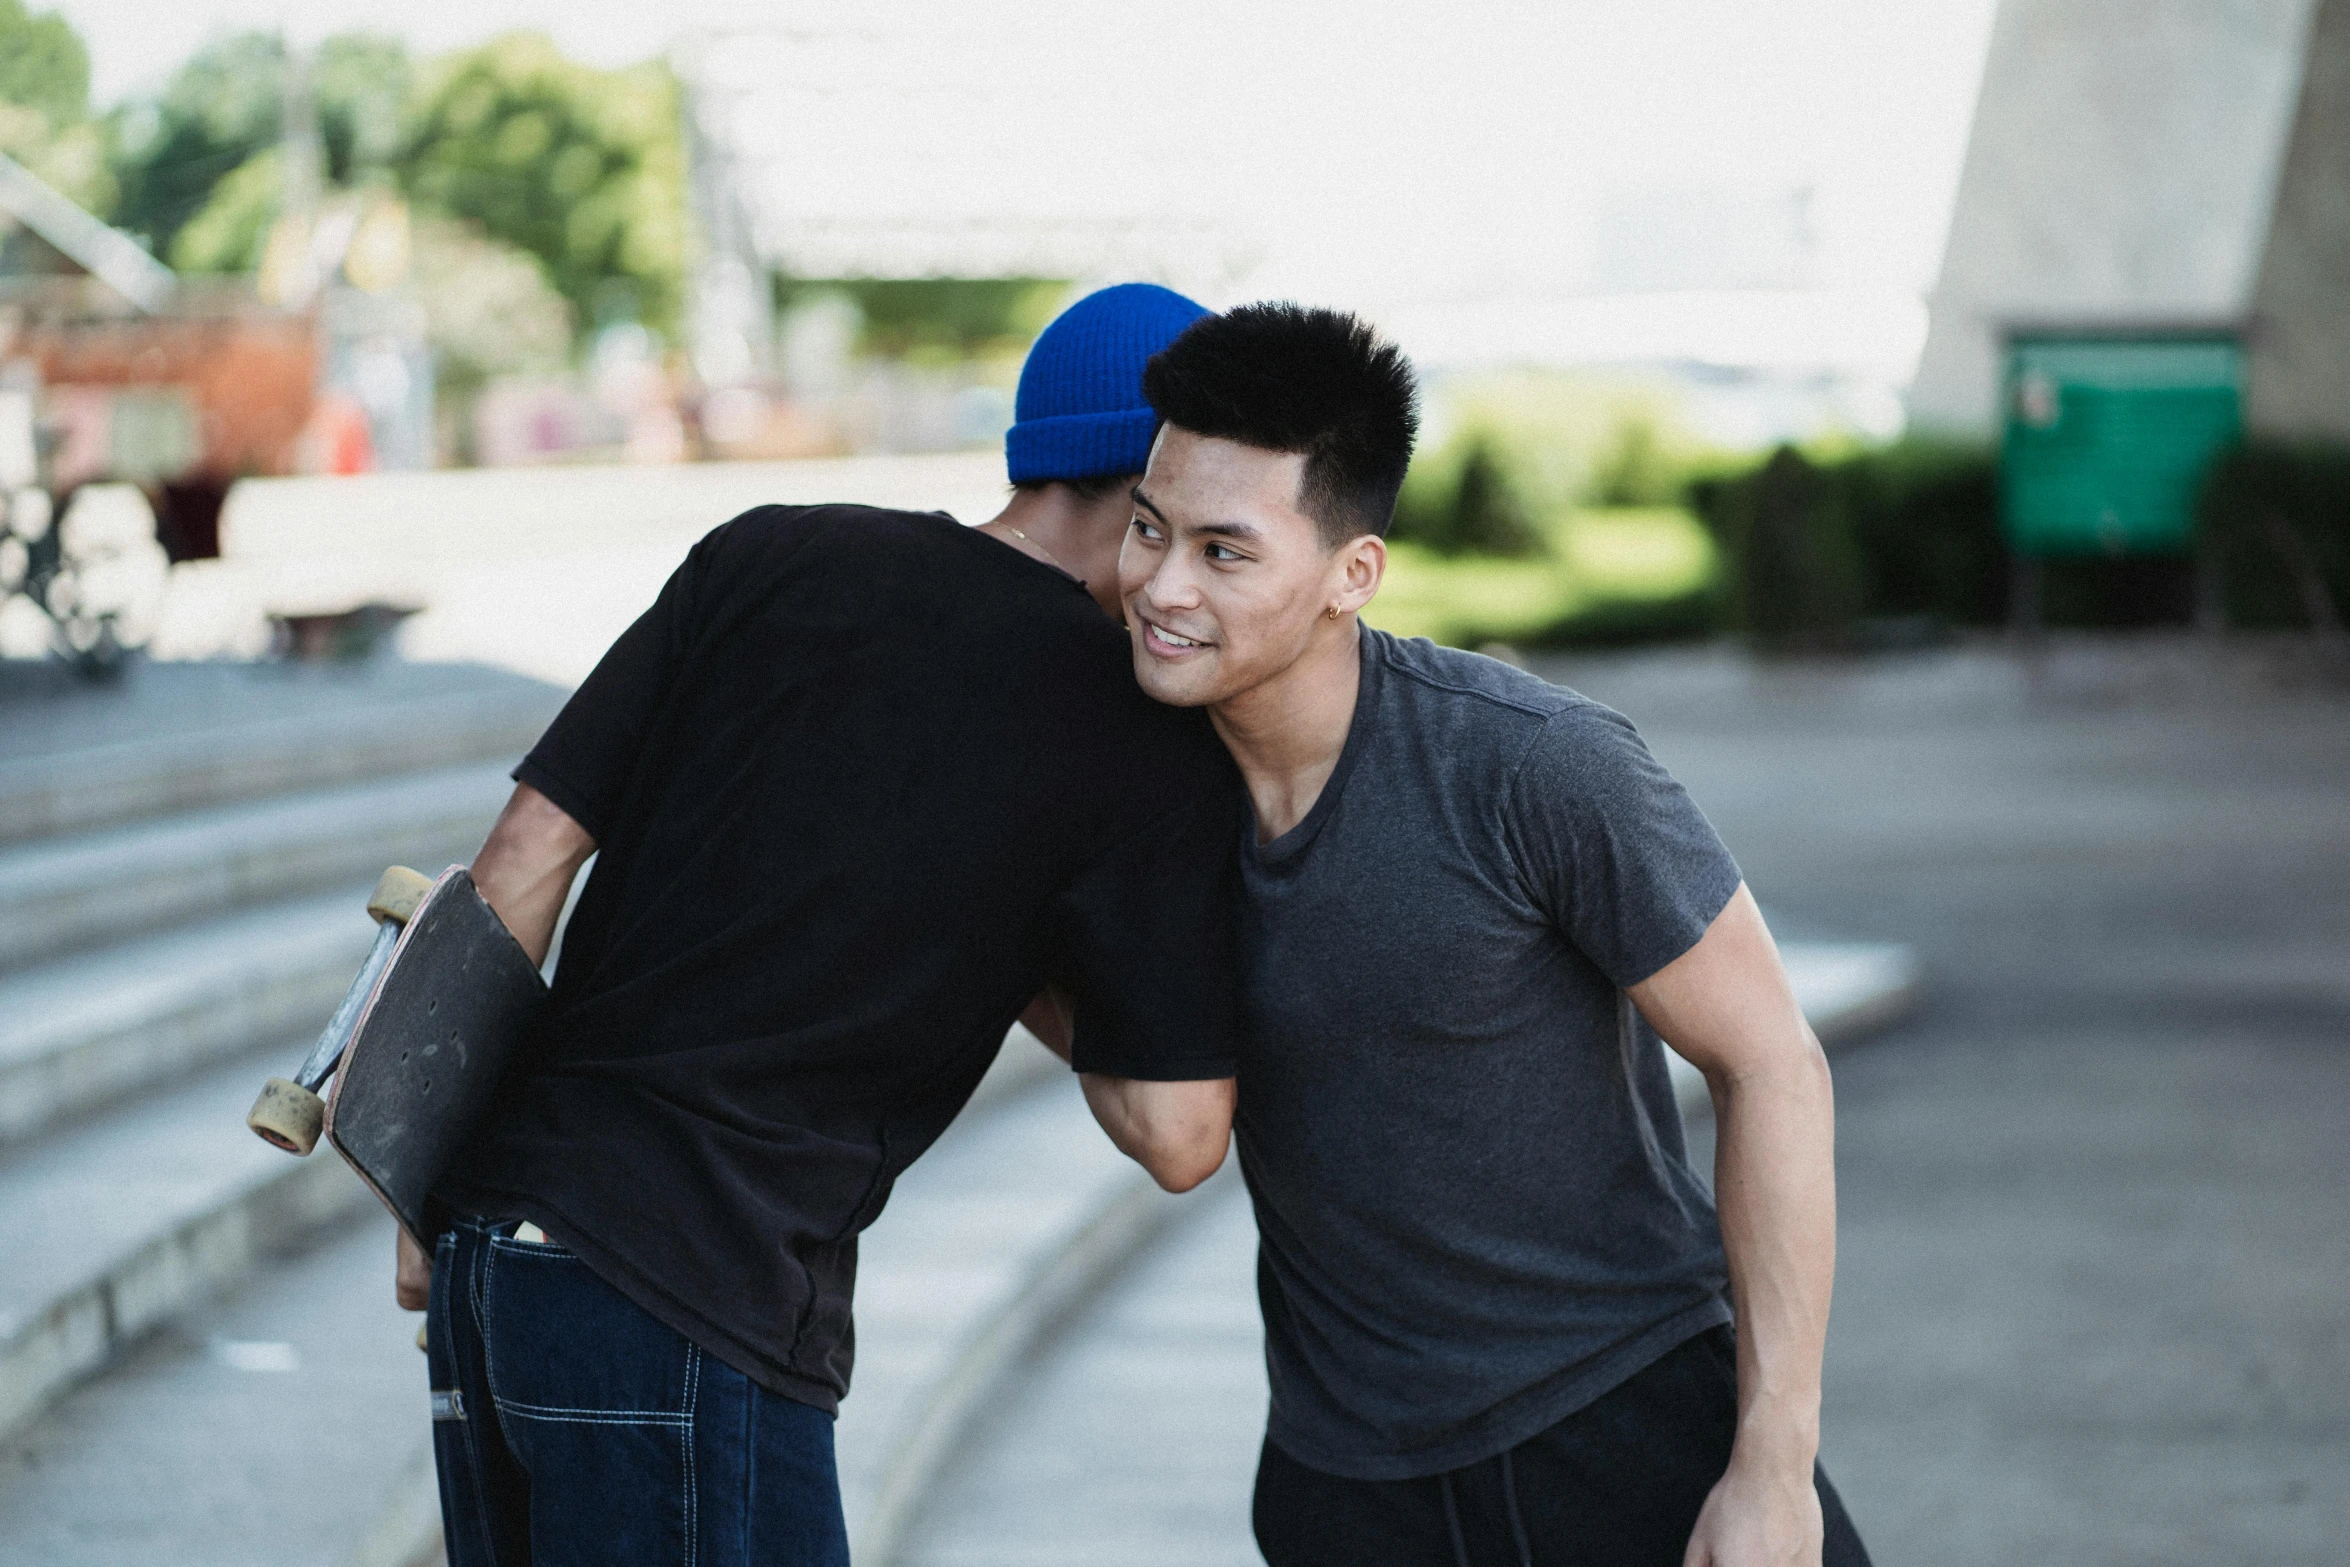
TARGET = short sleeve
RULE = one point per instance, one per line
(1146, 943)
(1612, 848)
(585, 759)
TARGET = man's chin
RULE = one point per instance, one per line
(1174, 688)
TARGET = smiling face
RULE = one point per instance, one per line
(1226, 583)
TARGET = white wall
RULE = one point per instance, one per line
(2122, 167)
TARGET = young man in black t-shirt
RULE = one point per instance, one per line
(860, 785)
(1497, 1300)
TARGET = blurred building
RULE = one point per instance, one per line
(2155, 164)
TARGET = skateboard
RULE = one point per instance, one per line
(416, 1048)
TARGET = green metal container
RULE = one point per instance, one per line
(2108, 437)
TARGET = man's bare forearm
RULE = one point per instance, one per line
(1726, 1006)
(1775, 1188)
(524, 871)
(526, 865)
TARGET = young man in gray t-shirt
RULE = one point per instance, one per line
(1498, 1302)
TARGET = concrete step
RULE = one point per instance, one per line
(271, 1425)
(66, 894)
(102, 1028)
(113, 1230)
(379, 730)
(299, 1381)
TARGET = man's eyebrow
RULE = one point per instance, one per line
(1227, 530)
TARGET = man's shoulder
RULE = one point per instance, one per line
(839, 525)
(1454, 686)
(1486, 711)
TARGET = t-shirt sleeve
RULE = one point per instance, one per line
(1146, 944)
(584, 761)
(1613, 848)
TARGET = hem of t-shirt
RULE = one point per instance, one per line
(666, 1308)
(572, 801)
(1688, 940)
(1516, 1419)
(1197, 1069)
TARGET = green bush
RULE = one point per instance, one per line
(1635, 622)
(1814, 550)
(2276, 520)
(1467, 500)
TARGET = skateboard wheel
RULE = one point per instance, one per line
(288, 1115)
(397, 892)
(420, 1339)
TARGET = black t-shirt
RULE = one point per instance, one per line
(860, 782)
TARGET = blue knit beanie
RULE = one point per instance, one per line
(1080, 410)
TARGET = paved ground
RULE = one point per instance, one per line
(1135, 1443)
(2096, 1201)
(81, 1488)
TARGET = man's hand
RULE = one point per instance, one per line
(412, 1286)
(1759, 1514)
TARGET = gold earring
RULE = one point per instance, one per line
(1331, 612)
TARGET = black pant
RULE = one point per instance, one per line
(1615, 1484)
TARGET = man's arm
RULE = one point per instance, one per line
(1726, 1006)
(524, 871)
(1179, 1132)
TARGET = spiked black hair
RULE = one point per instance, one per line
(1286, 378)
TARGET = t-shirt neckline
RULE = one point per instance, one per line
(1293, 842)
(972, 530)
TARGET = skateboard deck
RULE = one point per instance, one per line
(430, 1043)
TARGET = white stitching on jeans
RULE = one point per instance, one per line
(615, 1417)
(485, 1296)
(693, 1382)
(481, 1501)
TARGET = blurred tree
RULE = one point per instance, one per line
(582, 169)
(43, 65)
(169, 152)
(1637, 469)
(939, 317)
(227, 233)
(211, 140)
(45, 103)
(362, 83)
(488, 311)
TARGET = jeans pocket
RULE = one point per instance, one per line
(595, 1399)
(559, 1341)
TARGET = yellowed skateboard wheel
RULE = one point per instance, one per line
(420, 1340)
(288, 1115)
(397, 892)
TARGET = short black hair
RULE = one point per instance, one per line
(1090, 488)
(1287, 378)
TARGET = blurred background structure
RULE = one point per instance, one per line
(1931, 423)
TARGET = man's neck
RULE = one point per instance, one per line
(1062, 529)
(1288, 733)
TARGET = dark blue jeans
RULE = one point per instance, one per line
(570, 1427)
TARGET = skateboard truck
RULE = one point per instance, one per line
(291, 1114)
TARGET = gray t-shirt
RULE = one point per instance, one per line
(1475, 1208)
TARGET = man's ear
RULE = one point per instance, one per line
(1362, 566)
